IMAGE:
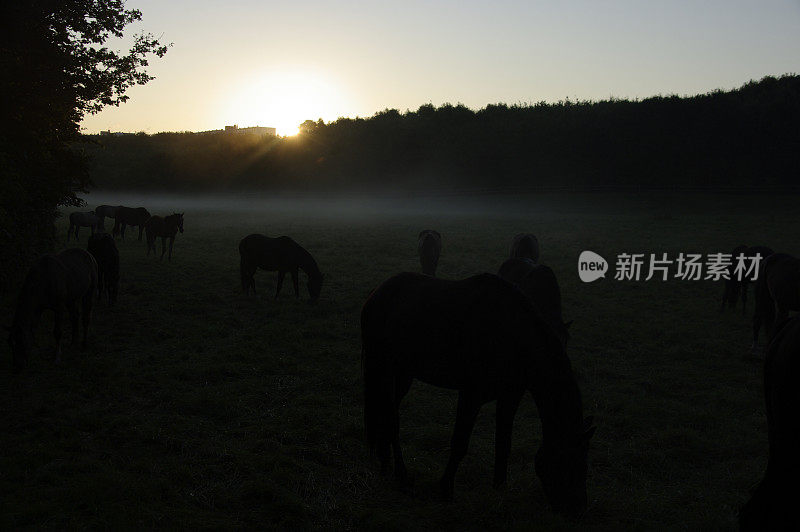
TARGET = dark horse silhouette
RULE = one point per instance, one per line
(281, 254)
(539, 284)
(55, 282)
(429, 248)
(166, 227)
(777, 292)
(482, 337)
(773, 503)
(82, 219)
(734, 287)
(125, 216)
(525, 246)
(103, 212)
(105, 253)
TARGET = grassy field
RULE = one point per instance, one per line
(197, 407)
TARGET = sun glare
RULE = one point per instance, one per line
(284, 100)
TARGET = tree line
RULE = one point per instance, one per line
(747, 137)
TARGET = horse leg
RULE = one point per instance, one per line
(122, 230)
(247, 271)
(163, 247)
(506, 410)
(171, 241)
(58, 317)
(73, 319)
(280, 282)
(467, 411)
(141, 228)
(402, 385)
(86, 316)
(69, 231)
(295, 283)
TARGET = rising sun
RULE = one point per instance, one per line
(284, 100)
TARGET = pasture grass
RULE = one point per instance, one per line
(196, 407)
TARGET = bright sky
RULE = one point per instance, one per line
(279, 63)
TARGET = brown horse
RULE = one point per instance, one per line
(281, 254)
(103, 212)
(539, 284)
(166, 227)
(772, 505)
(58, 283)
(777, 292)
(82, 219)
(482, 337)
(429, 248)
(105, 253)
(525, 246)
(125, 216)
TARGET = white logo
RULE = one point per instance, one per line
(591, 266)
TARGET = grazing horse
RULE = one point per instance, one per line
(166, 227)
(777, 292)
(280, 254)
(103, 212)
(105, 253)
(482, 337)
(82, 219)
(539, 284)
(525, 246)
(733, 286)
(429, 248)
(772, 505)
(125, 216)
(55, 282)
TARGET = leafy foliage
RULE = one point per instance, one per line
(56, 68)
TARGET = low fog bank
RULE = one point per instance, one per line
(319, 205)
(499, 205)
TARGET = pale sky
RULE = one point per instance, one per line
(279, 63)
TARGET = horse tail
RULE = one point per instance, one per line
(378, 382)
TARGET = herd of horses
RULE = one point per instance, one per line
(489, 337)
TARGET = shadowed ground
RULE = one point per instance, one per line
(197, 406)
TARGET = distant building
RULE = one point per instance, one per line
(255, 130)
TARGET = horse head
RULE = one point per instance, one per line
(315, 286)
(179, 217)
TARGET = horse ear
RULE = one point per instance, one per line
(568, 324)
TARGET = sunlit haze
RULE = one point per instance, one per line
(277, 64)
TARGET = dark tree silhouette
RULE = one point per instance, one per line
(747, 137)
(56, 68)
